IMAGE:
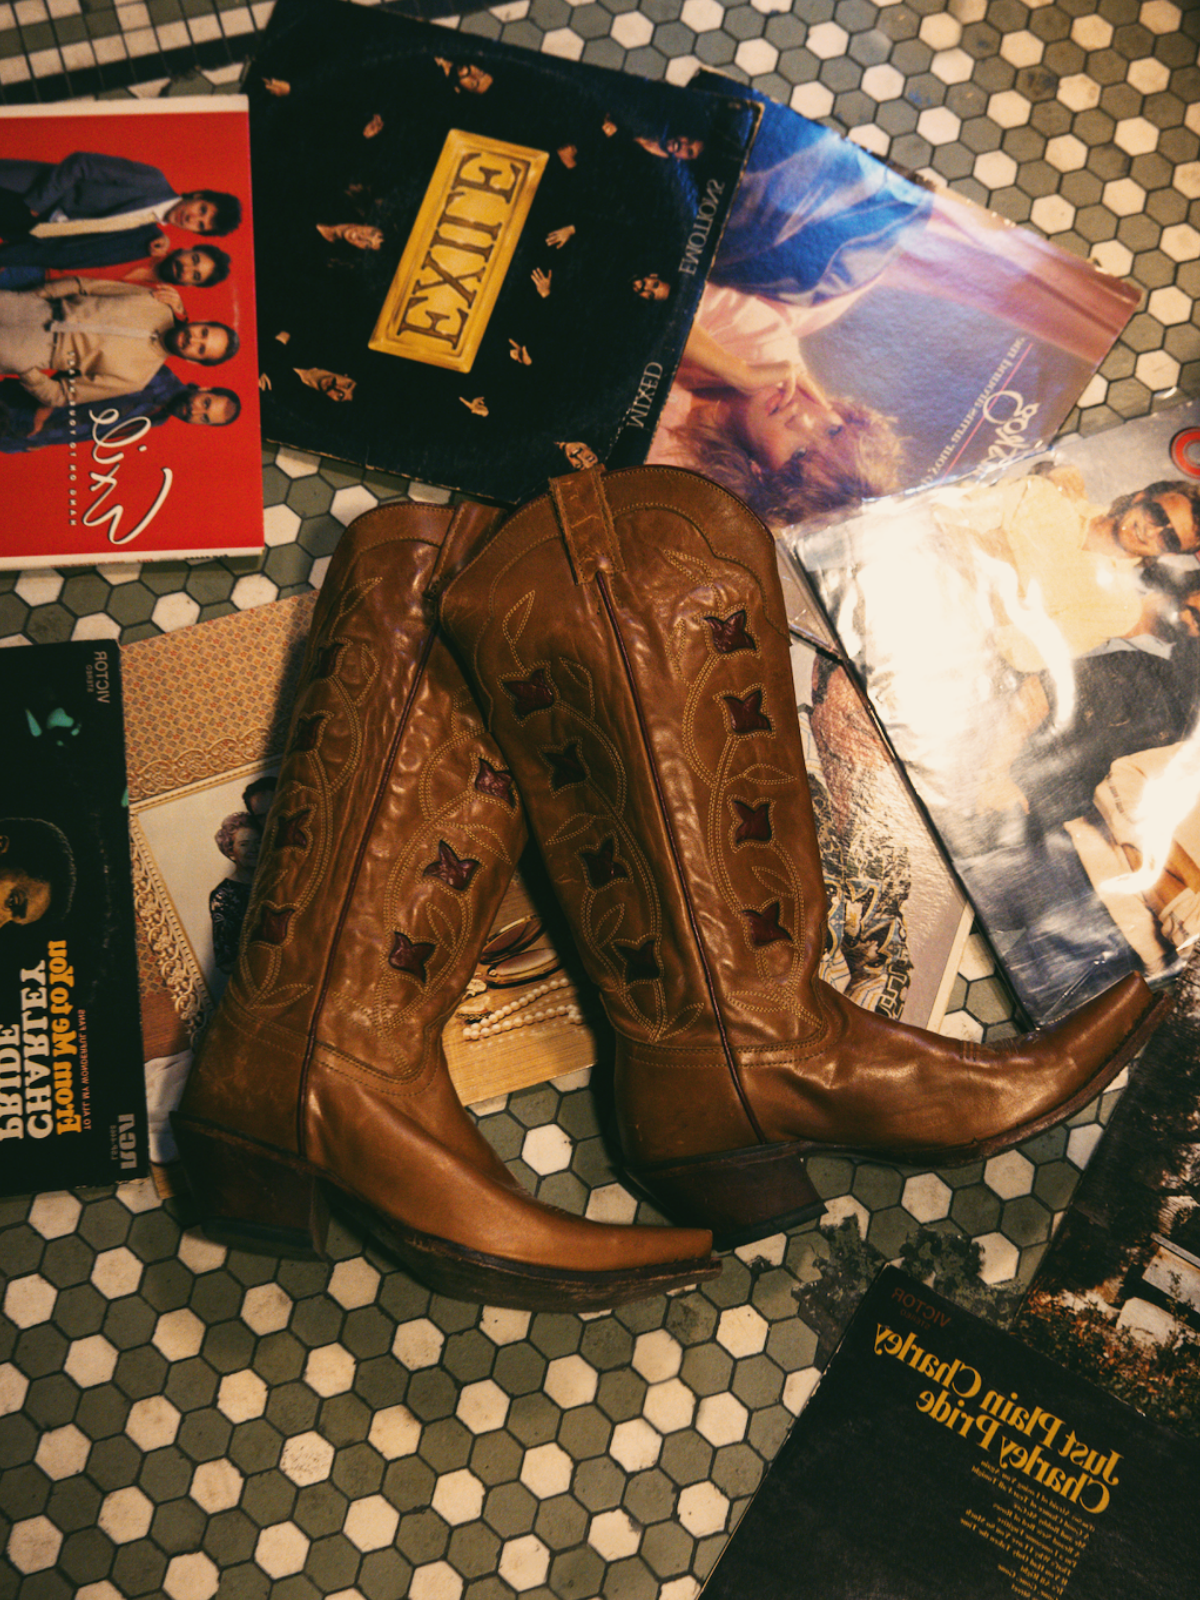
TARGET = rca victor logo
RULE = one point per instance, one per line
(459, 251)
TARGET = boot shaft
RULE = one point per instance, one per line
(627, 638)
(393, 836)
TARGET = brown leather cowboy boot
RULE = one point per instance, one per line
(391, 842)
(627, 641)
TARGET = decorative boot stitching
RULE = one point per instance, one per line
(529, 694)
(729, 634)
(754, 822)
(746, 712)
(566, 766)
(410, 955)
(496, 781)
(455, 871)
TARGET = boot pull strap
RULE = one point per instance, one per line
(586, 523)
(467, 531)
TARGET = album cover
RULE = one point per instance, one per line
(128, 362)
(72, 1109)
(1032, 648)
(942, 1459)
(862, 333)
(477, 264)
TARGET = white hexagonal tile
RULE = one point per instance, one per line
(116, 1272)
(281, 1550)
(1158, 370)
(330, 1370)
(1148, 76)
(91, 1361)
(33, 1544)
(1066, 153)
(458, 1497)
(756, 57)
(1095, 391)
(216, 1486)
(722, 1419)
(1186, 179)
(296, 463)
(1052, 213)
(349, 503)
(742, 1331)
(682, 69)
(39, 588)
(54, 1214)
(702, 1509)
(961, 1025)
(1001, 1258)
(1091, 33)
(354, 1283)
(1022, 48)
(241, 1396)
(547, 1149)
(194, 1576)
(1181, 242)
(657, 1355)
(371, 1522)
(483, 1407)
(1160, 16)
(1082, 1141)
(524, 1562)
(98, 1591)
(926, 1197)
(635, 1444)
(770, 1250)
(436, 1580)
(843, 1206)
(395, 1432)
(702, 16)
(976, 959)
(173, 611)
(96, 625)
(1010, 1174)
(570, 1381)
(418, 1344)
(1136, 136)
(1124, 197)
(827, 41)
(669, 1405)
(952, 66)
(939, 125)
(940, 31)
(14, 1386)
(126, 1514)
(611, 1202)
(632, 30)
(153, 1422)
(1009, 109)
(502, 1325)
(30, 1300)
(995, 170)
(798, 1388)
(266, 1308)
(872, 139)
(178, 1335)
(614, 1535)
(546, 1470)
(883, 83)
(63, 1452)
(280, 525)
(812, 100)
(565, 44)
(766, 7)
(1079, 92)
(197, 1251)
(307, 1458)
(256, 589)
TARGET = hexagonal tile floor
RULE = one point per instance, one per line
(178, 1419)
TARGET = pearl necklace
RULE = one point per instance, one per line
(516, 1014)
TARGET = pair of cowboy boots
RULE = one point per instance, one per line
(626, 642)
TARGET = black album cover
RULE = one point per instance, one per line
(72, 1103)
(477, 265)
(942, 1459)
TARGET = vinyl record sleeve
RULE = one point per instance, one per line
(456, 241)
(110, 472)
(72, 1108)
(1032, 648)
(941, 1459)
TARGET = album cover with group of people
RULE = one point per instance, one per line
(128, 365)
(1032, 646)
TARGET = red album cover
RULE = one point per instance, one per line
(129, 423)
